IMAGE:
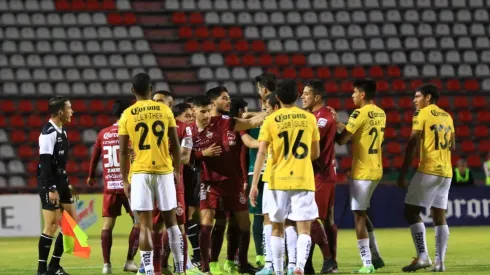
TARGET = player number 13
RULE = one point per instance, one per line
(297, 144)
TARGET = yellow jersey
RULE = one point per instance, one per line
(435, 147)
(290, 133)
(367, 125)
(146, 123)
(266, 176)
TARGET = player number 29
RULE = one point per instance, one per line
(111, 156)
(374, 132)
(297, 144)
(441, 129)
(158, 130)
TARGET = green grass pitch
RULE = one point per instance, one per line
(468, 253)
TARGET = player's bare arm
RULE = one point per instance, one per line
(247, 115)
(259, 164)
(344, 137)
(245, 124)
(124, 161)
(175, 148)
(185, 155)
(249, 141)
(453, 142)
(315, 150)
(413, 142)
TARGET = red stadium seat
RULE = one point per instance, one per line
(209, 46)
(218, 32)
(387, 103)
(408, 116)
(74, 181)
(462, 131)
(18, 136)
(62, 5)
(3, 121)
(394, 72)
(93, 5)
(41, 106)
(97, 106)
(382, 86)
(376, 72)
(437, 82)
(467, 146)
(340, 72)
(196, 18)
(241, 46)
(202, 32)
(306, 73)
(453, 85)
(398, 162)
(34, 136)
(265, 60)
(300, 86)
(235, 32)
(274, 71)
(460, 102)
(258, 46)
(393, 117)
(35, 121)
(323, 73)
(78, 5)
(415, 84)
(398, 85)
(103, 120)
(250, 60)
(358, 72)
(484, 116)
(84, 166)
(232, 60)
(484, 146)
(471, 85)
(185, 32)
(282, 59)
(289, 73)
(334, 103)
(114, 19)
(27, 151)
(331, 87)
(454, 159)
(465, 116)
(193, 46)
(406, 132)
(474, 161)
(129, 18)
(394, 148)
(347, 87)
(26, 106)
(109, 5)
(390, 132)
(225, 46)
(86, 121)
(349, 104)
(17, 121)
(405, 103)
(74, 136)
(443, 102)
(32, 167)
(80, 151)
(79, 106)
(8, 106)
(479, 102)
(481, 131)
(72, 167)
(299, 60)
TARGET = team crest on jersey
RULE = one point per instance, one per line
(225, 117)
(322, 122)
(231, 138)
(209, 134)
(188, 131)
(180, 210)
(355, 114)
(243, 199)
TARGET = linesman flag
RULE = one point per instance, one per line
(74, 239)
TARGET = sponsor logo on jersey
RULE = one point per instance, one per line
(109, 135)
(373, 114)
(437, 113)
(138, 110)
(282, 117)
(322, 122)
(86, 213)
(209, 134)
(355, 114)
(231, 138)
(243, 199)
(180, 210)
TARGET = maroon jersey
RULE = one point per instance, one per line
(108, 144)
(183, 131)
(324, 166)
(227, 165)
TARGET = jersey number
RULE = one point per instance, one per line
(437, 129)
(158, 129)
(297, 144)
(374, 132)
(112, 156)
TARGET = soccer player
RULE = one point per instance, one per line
(221, 176)
(294, 138)
(325, 174)
(150, 125)
(114, 198)
(164, 97)
(55, 191)
(433, 130)
(366, 129)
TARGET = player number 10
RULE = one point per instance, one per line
(297, 144)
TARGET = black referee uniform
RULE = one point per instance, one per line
(53, 151)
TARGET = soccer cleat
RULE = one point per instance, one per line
(56, 271)
(417, 264)
(260, 260)
(291, 271)
(438, 267)
(378, 263)
(265, 271)
(107, 269)
(365, 270)
(130, 266)
(328, 266)
(141, 270)
(247, 269)
(230, 267)
(296, 271)
(215, 268)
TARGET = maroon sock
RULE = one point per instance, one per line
(157, 251)
(319, 237)
(244, 243)
(205, 244)
(166, 250)
(134, 242)
(233, 240)
(217, 237)
(106, 238)
(331, 231)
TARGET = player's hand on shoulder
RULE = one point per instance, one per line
(334, 113)
(212, 151)
(90, 182)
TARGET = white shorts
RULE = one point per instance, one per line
(293, 205)
(145, 188)
(265, 198)
(361, 192)
(428, 191)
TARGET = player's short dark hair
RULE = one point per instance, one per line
(430, 89)
(180, 108)
(273, 101)
(119, 106)
(163, 92)
(287, 91)
(368, 86)
(316, 87)
(201, 101)
(237, 103)
(216, 92)
(267, 80)
(141, 83)
(189, 99)
(55, 104)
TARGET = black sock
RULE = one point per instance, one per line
(193, 236)
(43, 247)
(58, 251)
(257, 230)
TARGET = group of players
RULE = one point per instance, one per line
(189, 171)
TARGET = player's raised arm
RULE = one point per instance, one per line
(245, 124)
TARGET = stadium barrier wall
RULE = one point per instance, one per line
(466, 206)
(20, 215)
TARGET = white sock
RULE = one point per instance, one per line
(291, 239)
(267, 245)
(442, 236)
(277, 248)
(304, 246)
(189, 264)
(363, 245)
(176, 243)
(147, 261)
(418, 236)
(373, 245)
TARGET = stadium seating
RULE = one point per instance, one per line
(89, 49)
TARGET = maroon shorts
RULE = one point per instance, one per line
(179, 211)
(324, 197)
(220, 212)
(230, 192)
(112, 203)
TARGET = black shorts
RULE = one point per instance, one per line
(192, 185)
(63, 192)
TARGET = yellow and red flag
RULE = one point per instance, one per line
(74, 239)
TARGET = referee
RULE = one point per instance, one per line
(53, 186)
